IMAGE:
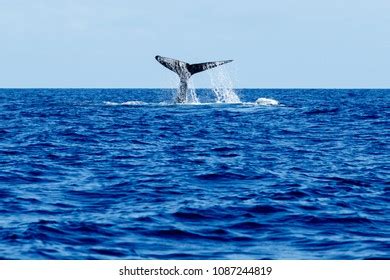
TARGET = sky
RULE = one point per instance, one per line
(274, 44)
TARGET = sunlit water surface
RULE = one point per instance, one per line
(124, 173)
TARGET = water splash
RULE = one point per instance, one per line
(267, 101)
(223, 86)
(191, 97)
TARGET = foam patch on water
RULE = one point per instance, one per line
(259, 102)
(127, 103)
(267, 102)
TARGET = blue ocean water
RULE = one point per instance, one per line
(85, 174)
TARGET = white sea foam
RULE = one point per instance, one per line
(134, 103)
(127, 103)
(267, 102)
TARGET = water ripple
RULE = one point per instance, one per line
(88, 174)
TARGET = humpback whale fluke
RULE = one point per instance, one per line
(185, 71)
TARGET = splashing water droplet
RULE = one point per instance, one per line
(223, 86)
(191, 97)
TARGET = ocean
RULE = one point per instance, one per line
(126, 174)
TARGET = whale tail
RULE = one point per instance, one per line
(185, 70)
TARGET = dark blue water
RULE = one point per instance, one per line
(80, 179)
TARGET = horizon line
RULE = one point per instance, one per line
(174, 88)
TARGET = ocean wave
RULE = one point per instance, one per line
(249, 180)
(127, 103)
(317, 111)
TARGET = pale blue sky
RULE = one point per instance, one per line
(112, 43)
